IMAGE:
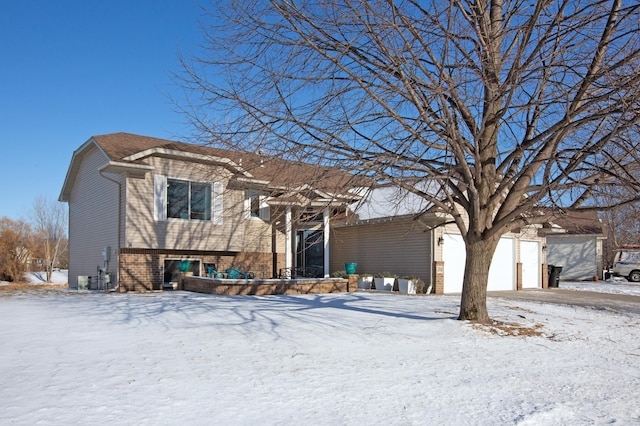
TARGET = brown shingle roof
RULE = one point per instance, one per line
(276, 171)
(585, 222)
(120, 145)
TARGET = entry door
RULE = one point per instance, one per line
(310, 253)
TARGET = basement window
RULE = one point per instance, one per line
(174, 267)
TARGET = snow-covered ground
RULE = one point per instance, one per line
(360, 358)
(613, 286)
(57, 277)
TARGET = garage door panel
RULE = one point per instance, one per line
(530, 259)
(453, 255)
(502, 271)
(501, 274)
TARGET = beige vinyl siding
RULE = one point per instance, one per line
(400, 247)
(235, 233)
(93, 219)
(257, 235)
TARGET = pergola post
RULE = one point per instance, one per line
(288, 236)
(325, 223)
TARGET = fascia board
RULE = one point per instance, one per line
(188, 155)
(136, 171)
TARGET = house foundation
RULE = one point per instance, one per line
(263, 287)
(144, 269)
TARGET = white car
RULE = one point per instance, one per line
(627, 264)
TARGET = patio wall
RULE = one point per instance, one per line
(228, 287)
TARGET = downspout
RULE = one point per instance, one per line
(119, 226)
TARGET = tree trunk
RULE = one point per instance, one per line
(473, 305)
(48, 262)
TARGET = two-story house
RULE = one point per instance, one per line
(142, 208)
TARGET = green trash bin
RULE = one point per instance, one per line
(350, 268)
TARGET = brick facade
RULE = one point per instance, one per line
(261, 287)
(143, 269)
(545, 275)
(438, 277)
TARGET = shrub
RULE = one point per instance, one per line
(421, 286)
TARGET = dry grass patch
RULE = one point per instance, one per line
(10, 289)
(500, 328)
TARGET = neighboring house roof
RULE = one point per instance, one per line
(580, 223)
(391, 201)
(295, 181)
(388, 202)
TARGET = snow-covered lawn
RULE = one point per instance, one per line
(360, 358)
(36, 278)
(613, 286)
(57, 277)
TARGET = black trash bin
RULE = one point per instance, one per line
(554, 275)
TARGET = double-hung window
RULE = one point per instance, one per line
(188, 200)
(255, 206)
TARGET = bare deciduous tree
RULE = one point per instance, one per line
(624, 225)
(49, 224)
(623, 229)
(15, 245)
(509, 106)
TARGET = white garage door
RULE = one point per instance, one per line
(530, 258)
(502, 271)
(453, 255)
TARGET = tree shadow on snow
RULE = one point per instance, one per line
(249, 314)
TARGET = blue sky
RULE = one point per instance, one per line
(71, 69)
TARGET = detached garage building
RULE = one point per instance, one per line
(575, 242)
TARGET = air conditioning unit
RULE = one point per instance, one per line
(84, 281)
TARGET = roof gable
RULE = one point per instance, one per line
(74, 167)
(250, 169)
(277, 172)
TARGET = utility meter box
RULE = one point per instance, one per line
(106, 254)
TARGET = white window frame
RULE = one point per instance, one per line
(264, 211)
(160, 207)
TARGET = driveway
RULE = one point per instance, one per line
(623, 303)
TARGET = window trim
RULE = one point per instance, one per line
(161, 200)
(189, 203)
(264, 210)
